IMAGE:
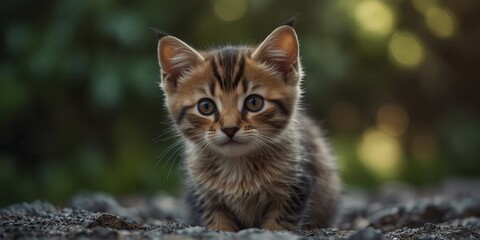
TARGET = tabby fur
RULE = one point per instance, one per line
(270, 168)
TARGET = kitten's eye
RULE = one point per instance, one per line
(254, 103)
(206, 106)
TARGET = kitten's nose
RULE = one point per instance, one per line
(230, 131)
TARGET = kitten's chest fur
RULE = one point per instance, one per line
(244, 185)
(247, 185)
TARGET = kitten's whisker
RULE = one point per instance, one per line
(173, 145)
(265, 148)
(275, 143)
(177, 154)
(279, 146)
(178, 142)
(168, 131)
(201, 148)
(166, 123)
(173, 154)
(173, 163)
(159, 139)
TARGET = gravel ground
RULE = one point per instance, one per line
(395, 211)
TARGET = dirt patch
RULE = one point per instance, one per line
(396, 211)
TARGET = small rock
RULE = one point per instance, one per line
(433, 231)
(191, 230)
(258, 234)
(366, 234)
(111, 221)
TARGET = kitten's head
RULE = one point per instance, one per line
(232, 100)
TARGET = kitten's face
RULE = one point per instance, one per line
(232, 100)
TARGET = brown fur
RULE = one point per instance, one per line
(278, 173)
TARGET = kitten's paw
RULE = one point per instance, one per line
(276, 226)
(223, 227)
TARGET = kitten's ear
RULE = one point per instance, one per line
(279, 49)
(175, 58)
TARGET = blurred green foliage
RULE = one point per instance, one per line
(395, 83)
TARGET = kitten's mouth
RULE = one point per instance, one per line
(231, 142)
(234, 148)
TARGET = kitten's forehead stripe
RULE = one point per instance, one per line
(219, 68)
(245, 86)
(211, 86)
(228, 60)
(228, 66)
(213, 62)
(239, 74)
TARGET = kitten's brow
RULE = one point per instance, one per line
(183, 112)
(279, 103)
(228, 60)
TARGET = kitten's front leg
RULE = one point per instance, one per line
(218, 217)
(208, 211)
(287, 212)
(279, 217)
(220, 220)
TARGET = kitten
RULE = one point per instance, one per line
(252, 158)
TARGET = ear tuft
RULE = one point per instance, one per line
(175, 58)
(291, 22)
(159, 33)
(279, 49)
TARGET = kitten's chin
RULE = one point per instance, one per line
(234, 149)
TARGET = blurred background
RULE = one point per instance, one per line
(396, 84)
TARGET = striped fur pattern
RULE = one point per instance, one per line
(252, 159)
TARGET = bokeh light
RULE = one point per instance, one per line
(380, 153)
(440, 22)
(230, 10)
(374, 17)
(393, 83)
(422, 6)
(392, 119)
(406, 50)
